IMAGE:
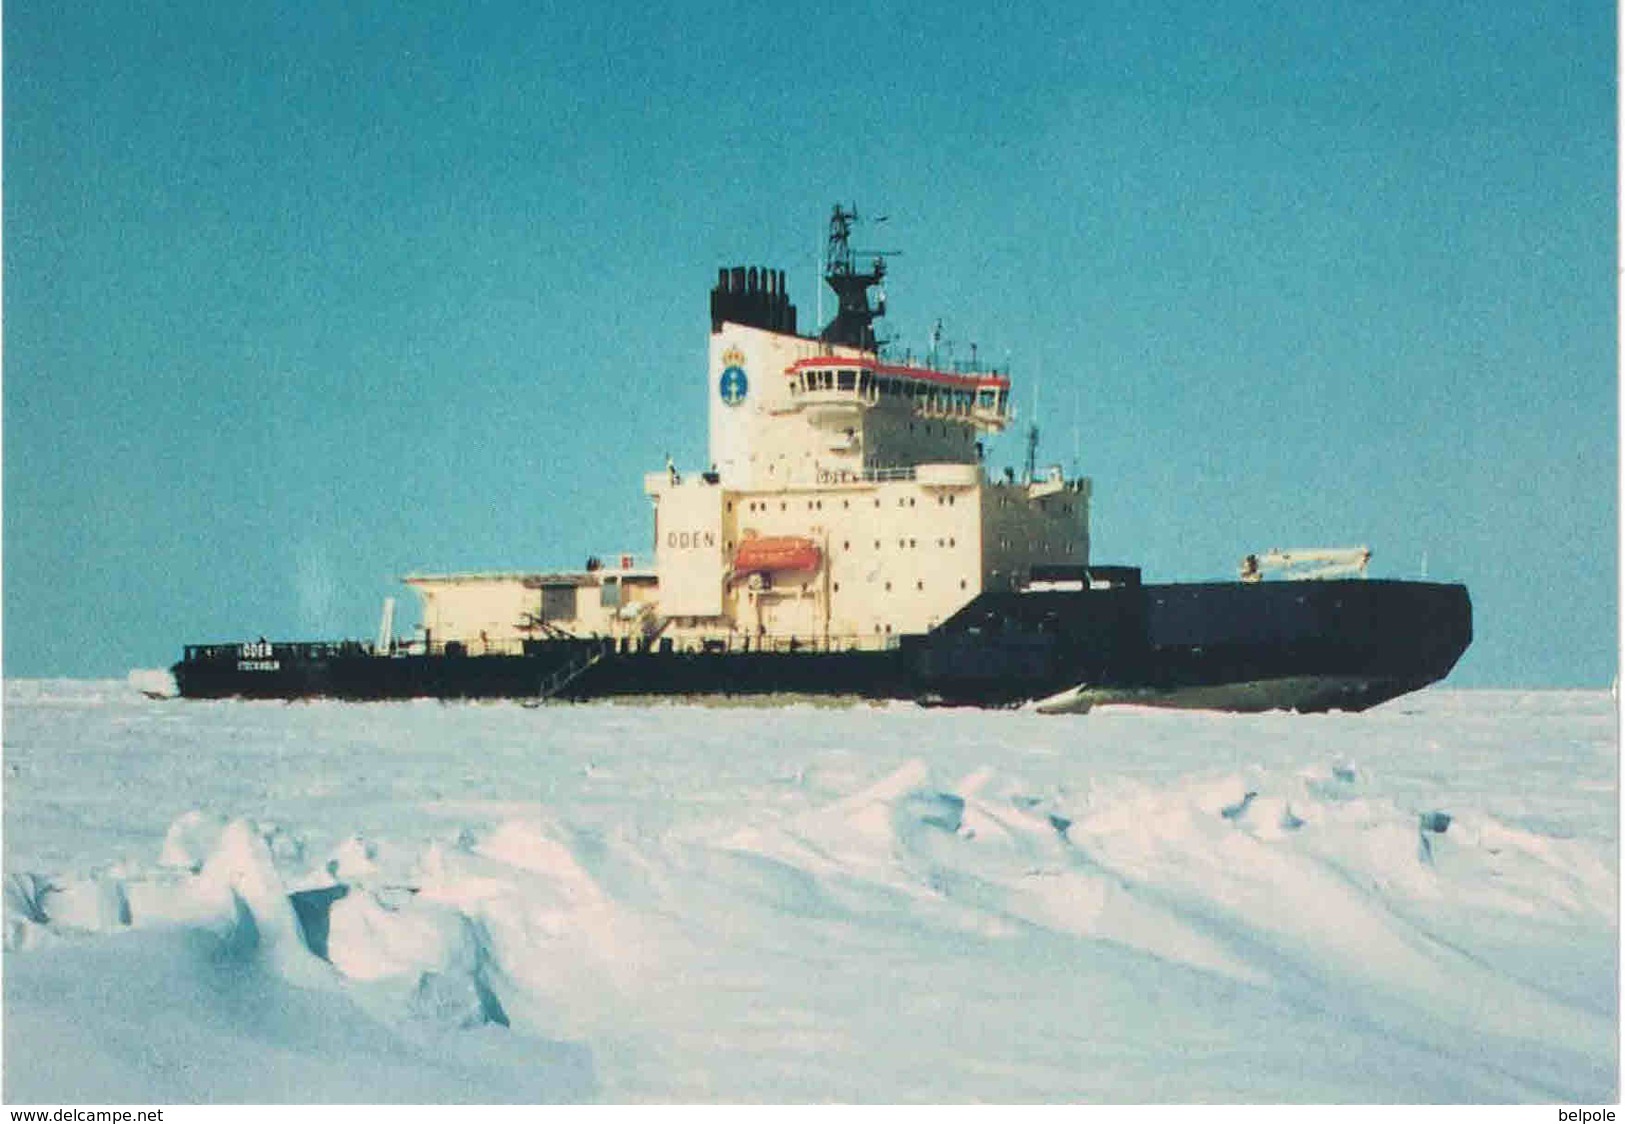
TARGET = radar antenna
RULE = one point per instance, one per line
(854, 318)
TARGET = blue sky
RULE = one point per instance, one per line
(299, 299)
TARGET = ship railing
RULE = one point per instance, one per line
(935, 362)
(304, 651)
(260, 650)
(932, 362)
(865, 475)
(901, 472)
(740, 643)
(314, 650)
(503, 646)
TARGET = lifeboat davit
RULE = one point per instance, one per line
(776, 554)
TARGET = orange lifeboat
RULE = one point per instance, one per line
(776, 554)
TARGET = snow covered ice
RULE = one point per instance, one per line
(421, 902)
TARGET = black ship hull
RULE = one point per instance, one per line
(1305, 646)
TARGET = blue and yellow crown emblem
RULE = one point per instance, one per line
(733, 386)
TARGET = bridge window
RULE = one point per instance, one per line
(848, 380)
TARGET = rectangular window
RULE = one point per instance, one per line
(609, 593)
(558, 602)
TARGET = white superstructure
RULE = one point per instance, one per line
(846, 502)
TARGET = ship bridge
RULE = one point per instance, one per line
(788, 410)
(835, 385)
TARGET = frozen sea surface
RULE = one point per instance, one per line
(321, 902)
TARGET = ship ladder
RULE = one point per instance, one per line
(564, 676)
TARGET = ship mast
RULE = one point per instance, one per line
(854, 318)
